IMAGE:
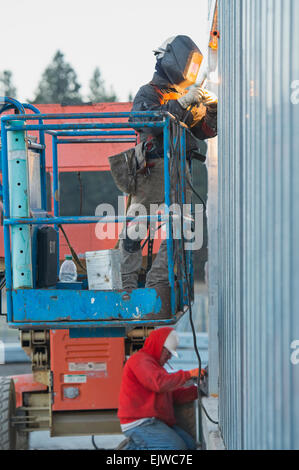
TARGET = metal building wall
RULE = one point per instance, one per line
(258, 225)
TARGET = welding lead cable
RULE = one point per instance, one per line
(194, 339)
(185, 275)
(200, 432)
(190, 312)
(177, 171)
(189, 182)
(175, 150)
(196, 194)
(94, 444)
(149, 236)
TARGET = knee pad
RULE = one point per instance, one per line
(131, 246)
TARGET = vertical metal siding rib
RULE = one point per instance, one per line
(294, 201)
(258, 298)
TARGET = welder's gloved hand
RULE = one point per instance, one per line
(194, 96)
(209, 100)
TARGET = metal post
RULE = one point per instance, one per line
(56, 192)
(167, 186)
(42, 158)
(183, 176)
(6, 213)
(19, 207)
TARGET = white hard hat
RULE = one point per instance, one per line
(172, 342)
(160, 51)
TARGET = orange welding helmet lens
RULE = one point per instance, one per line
(192, 69)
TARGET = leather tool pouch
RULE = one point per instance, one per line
(125, 167)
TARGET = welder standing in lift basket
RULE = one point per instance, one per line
(177, 67)
(148, 394)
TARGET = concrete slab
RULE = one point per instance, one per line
(211, 431)
(41, 440)
(12, 353)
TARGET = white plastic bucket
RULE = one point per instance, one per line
(103, 270)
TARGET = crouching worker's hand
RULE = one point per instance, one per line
(195, 373)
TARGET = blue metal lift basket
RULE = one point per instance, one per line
(78, 307)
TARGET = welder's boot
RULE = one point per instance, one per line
(130, 267)
(158, 274)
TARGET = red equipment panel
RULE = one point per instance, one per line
(26, 383)
(86, 371)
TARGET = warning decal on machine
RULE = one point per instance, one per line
(88, 366)
(75, 379)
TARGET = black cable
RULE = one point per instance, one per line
(185, 274)
(208, 416)
(190, 311)
(175, 170)
(196, 194)
(195, 342)
(190, 300)
(188, 181)
(149, 237)
(94, 444)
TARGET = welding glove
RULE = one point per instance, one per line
(195, 373)
(194, 96)
(209, 100)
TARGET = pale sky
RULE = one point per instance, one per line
(118, 36)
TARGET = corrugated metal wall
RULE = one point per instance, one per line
(258, 293)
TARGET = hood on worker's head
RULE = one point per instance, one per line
(178, 60)
(154, 343)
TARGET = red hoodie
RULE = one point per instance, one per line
(147, 389)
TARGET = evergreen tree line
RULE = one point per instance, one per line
(59, 84)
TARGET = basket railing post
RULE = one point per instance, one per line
(169, 240)
(19, 202)
(6, 228)
(56, 193)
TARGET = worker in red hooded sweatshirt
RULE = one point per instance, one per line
(148, 394)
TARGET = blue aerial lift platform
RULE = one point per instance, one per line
(65, 395)
(75, 307)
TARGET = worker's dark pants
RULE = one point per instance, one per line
(153, 434)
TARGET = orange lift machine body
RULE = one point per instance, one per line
(77, 337)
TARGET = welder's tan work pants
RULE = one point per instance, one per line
(149, 191)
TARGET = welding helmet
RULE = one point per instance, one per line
(180, 60)
(172, 342)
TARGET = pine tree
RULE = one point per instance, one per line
(6, 86)
(98, 92)
(58, 83)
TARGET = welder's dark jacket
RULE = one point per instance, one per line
(158, 95)
(147, 389)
